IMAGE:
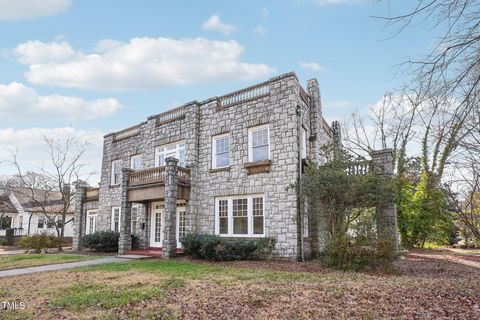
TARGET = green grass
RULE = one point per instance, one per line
(31, 260)
(95, 295)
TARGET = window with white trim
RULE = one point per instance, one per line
(221, 151)
(136, 162)
(40, 223)
(181, 224)
(240, 216)
(91, 224)
(258, 144)
(116, 172)
(175, 150)
(303, 143)
(134, 218)
(116, 216)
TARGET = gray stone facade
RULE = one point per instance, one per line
(280, 103)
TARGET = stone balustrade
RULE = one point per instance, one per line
(156, 175)
(244, 95)
(359, 167)
(174, 114)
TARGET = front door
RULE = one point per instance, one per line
(157, 219)
(156, 226)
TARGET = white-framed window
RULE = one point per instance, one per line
(134, 218)
(175, 150)
(116, 172)
(20, 222)
(91, 223)
(40, 223)
(116, 216)
(240, 216)
(221, 151)
(303, 143)
(258, 144)
(181, 224)
(136, 162)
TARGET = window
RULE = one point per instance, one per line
(181, 224)
(258, 144)
(303, 143)
(40, 223)
(136, 162)
(134, 218)
(116, 172)
(116, 215)
(20, 222)
(240, 216)
(176, 150)
(221, 151)
(91, 226)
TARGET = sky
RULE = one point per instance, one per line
(84, 68)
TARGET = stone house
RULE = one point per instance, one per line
(219, 166)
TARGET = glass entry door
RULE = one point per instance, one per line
(157, 219)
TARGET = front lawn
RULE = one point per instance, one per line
(31, 260)
(428, 285)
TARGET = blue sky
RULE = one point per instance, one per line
(86, 68)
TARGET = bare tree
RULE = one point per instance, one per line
(48, 191)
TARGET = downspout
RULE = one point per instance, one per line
(300, 219)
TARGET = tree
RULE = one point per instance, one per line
(49, 190)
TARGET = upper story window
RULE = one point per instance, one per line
(116, 172)
(258, 144)
(136, 162)
(221, 151)
(303, 143)
(176, 150)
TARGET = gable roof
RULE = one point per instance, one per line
(52, 200)
(6, 206)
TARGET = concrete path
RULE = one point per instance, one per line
(60, 266)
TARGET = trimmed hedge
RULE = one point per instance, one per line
(40, 242)
(101, 241)
(210, 247)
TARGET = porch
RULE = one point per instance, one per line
(152, 252)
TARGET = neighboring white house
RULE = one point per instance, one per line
(26, 216)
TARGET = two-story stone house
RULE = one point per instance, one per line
(236, 156)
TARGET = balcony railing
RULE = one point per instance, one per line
(16, 232)
(156, 175)
(92, 194)
(360, 167)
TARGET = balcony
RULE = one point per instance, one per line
(91, 194)
(149, 184)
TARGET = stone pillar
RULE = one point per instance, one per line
(337, 134)
(78, 217)
(169, 245)
(125, 240)
(386, 214)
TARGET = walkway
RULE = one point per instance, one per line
(61, 266)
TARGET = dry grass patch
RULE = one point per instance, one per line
(31, 260)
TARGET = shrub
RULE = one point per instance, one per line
(210, 247)
(345, 254)
(40, 242)
(101, 241)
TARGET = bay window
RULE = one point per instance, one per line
(240, 216)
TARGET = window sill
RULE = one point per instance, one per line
(220, 169)
(114, 186)
(258, 166)
(241, 236)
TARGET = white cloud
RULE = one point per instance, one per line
(265, 12)
(18, 101)
(338, 104)
(141, 63)
(11, 10)
(312, 66)
(32, 153)
(259, 30)
(215, 24)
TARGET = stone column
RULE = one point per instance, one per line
(386, 214)
(169, 245)
(125, 240)
(78, 217)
